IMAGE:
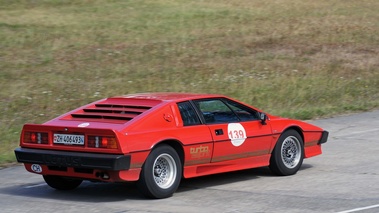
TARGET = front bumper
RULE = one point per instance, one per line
(73, 159)
(324, 137)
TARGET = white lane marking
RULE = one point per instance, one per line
(360, 209)
(34, 186)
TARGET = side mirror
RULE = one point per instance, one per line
(263, 118)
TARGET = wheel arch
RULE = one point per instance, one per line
(175, 144)
(297, 129)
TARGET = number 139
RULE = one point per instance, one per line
(236, 134)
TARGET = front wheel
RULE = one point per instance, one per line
(161, 173)
(288, 154)
(61, 183)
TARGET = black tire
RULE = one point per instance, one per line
(288, 154)
(61, 183)
(161, 173)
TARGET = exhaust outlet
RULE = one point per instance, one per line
(102, 175)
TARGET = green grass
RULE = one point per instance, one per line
(294, 58)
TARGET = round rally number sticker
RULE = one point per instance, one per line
(236, 133)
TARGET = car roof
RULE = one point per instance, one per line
(169, 96)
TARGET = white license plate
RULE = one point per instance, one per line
(69, 139)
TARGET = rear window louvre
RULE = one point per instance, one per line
(109, 111)
(122, 106)
(100, 116)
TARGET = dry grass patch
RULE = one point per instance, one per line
(302, 59)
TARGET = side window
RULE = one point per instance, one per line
(215, 111)
(244, 113)
(188, 114)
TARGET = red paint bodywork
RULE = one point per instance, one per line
(158, 120)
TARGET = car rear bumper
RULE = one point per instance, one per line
(73, 159)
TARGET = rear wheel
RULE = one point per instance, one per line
(161, 173)
(61, 183)
(288, 154)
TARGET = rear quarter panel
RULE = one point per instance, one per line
(159, 125)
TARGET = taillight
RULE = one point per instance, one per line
(108, 142)
(36, 137)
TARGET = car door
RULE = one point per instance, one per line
(195, 136)
(236, 129)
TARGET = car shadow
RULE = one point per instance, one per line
(222, 179)
(229, 177)
(98, 192)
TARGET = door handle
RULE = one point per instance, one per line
(219, 132)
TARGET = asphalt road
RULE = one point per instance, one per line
(345, 178)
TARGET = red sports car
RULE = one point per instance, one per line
(158, 138)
